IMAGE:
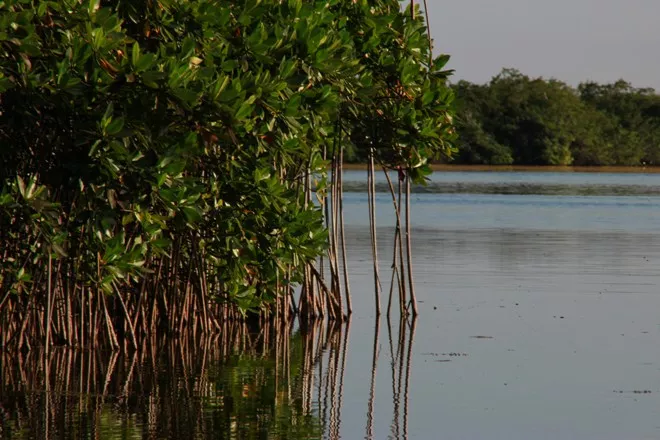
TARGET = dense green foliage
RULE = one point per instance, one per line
(168, 141)
(515, 119)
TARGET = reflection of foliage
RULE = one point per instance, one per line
(251, 386)
(533, 121)
(259, 394)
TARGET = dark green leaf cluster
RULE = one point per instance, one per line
(515, 119)
(171, 139)
(402, 110)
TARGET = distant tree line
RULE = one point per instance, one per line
(515, 119)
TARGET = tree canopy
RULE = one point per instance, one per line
(147, 144)
(515, 119)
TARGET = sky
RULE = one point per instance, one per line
(570, 40)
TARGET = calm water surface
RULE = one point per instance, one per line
(540, 319)
(511, 183)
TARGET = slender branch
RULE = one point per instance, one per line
(411, 284)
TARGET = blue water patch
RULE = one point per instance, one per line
(537, 212)
(518, 177)
(583, 184)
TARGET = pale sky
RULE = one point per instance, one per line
(571, 40)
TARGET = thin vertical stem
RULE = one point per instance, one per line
(49, 306)
(402, 270)
(411, 283)
(127, 317)
(349, 306)
(428, 33)
(335, 284)
(372, 224)
(397, 239)
(108, 322)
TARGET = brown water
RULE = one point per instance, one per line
(540, 319)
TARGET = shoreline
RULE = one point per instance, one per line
(528, 168)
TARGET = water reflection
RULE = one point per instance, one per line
(279, 384)
(400, 365)
(241, 385)
(400, 356)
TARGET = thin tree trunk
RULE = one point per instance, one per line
(112, 336)
(372, 225)
(428, 32)
(49, 306)
(127, 316)
(411, 283)
(349, 306)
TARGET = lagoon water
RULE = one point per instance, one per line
(539, 319)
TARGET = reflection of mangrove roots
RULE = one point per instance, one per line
(400, 363)
(401, 368)
(372, 388)
(182, 389)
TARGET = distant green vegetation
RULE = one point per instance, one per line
(515, 119)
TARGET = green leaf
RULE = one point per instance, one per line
(135, 54)
(427, 98)
(145, 62)
(261, 174)
(161, 243)
(59, 250)
(109, 111)
(192, 214)
(21, 186)
(244, 111)
(115, 126)
(440, 61)
(187, 48)
(293, 105)
(286, 68)
(93, 6)
(151, 78)
(187, 96)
